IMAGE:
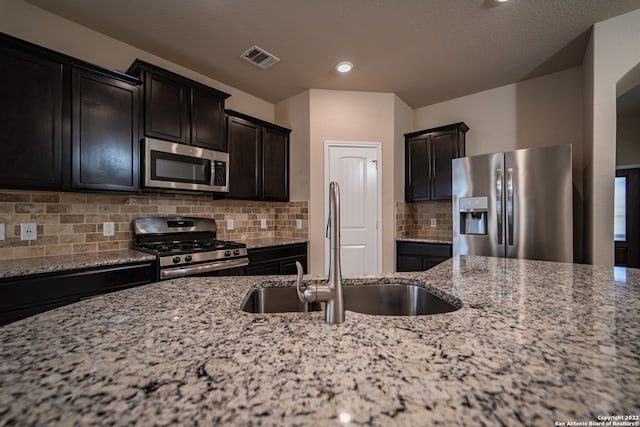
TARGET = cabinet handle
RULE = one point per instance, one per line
(510, 205)
(499, 203)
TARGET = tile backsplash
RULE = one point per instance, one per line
(413, 221)
(73, 222)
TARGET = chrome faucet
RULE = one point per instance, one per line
(331, 293)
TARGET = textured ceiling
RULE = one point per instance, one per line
(425, 51)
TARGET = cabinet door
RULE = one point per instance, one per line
(207, 121)
(417, 169)
(166, 112)
(104, 142)
(244, 140)
(289, 266)
(409, 263)
(430, 262)
(30, 121)
(443, 150)
(264, 269)
(275, 165)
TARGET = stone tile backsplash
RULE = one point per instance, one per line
(73, 222)
(413, 221)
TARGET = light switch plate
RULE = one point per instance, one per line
(263, 223)
(29, 231)
(230, 224)
(298, 224)
(1, 231)
(434, 222)
(108, 229)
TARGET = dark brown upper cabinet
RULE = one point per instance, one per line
(181, 110)
(104, 134)
(31, 97)
(428, 155)
(258, 159)
(67, 125)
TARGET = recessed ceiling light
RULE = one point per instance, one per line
(344, 66)
(502, 1)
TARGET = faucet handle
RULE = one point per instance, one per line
(327, 234)
(299, 282)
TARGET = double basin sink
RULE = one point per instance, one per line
(389, 299)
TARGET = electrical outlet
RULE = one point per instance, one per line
(29, 231)
(263, 223)
(298, 224)
(1, 231)
(230, 224)
(108, 229)
(434, 222)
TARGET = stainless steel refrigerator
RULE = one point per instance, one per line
(517, 204)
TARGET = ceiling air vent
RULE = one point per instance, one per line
(260, 57)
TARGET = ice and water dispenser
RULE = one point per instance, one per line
(473, 215)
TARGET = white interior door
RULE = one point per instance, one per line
(356, 169)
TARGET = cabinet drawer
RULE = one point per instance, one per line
(277, 259)
(430, 249)
(276, 252)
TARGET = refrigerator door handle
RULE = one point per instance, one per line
(499, 203)
(510, 205)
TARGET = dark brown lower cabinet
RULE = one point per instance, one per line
(24, 296)
(418, 256)
(277, 259)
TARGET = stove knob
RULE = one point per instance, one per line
(188, 258)
(227, 253)
(236, 251)
(176, 259)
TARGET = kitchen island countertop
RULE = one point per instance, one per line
(535, 343)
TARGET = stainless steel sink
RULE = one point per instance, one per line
(378, 299)
(276, 300)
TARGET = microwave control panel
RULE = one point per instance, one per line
(220, 173)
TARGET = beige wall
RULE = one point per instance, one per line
(613, 52)
(293, 113)
(533, 113)
(320, 115)
(38, 26)
(350, 116)
(404, 121)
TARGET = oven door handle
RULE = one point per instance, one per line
(189, 270)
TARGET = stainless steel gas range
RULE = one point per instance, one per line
(187, 246)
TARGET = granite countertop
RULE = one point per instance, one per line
(51, 264)
(272, 241)
(534, 343)
(442, 242)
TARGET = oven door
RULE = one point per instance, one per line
(168, 165)
(215, 268)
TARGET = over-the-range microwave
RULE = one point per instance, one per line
(172, 166)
